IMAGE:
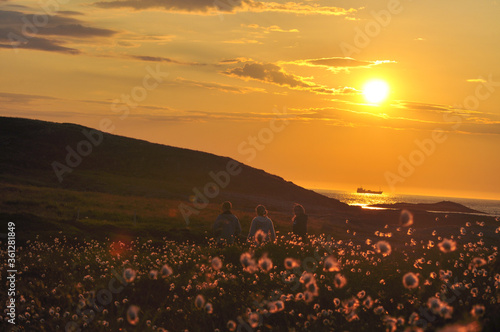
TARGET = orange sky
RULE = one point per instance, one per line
(223, 67)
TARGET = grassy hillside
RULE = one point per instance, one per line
(125, 166)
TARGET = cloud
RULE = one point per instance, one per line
(297, 8)
(338, 63)
(58, 25)
(35, 43)
(164, 59)
(17, 30)
(22, 98)
(132, 40)
(272, 28)
(234, 61)
(12, 5)
(468, 121)
(270, 73)
(213, 7)
(38, 106)
(76, 30)
(479, 120)
(346, 115)
(274, 74)
(217, 86)
(153, 58)
(69, 13)
(440, 109)
(421, 106)
(189, 6)
(242, 41)
(361, 117)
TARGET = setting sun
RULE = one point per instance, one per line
(376, 91)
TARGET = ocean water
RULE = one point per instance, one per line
(491, 207)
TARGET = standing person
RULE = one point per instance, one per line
(300, 221)
(227, 227)
(262, 223)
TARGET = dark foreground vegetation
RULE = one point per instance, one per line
(393, 279)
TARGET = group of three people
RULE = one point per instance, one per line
(227, 227)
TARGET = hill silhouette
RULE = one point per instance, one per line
(33, 152)
(444, 206)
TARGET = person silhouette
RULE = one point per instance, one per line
(261, 225)
(299, 221)
(226, 227)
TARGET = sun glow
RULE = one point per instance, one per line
(376, 91)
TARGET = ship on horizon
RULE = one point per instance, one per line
(361, 190)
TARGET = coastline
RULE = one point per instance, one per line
(487, 207)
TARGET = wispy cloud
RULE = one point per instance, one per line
(439, 109)
(242, 41)
(411, 116)
(360, 116)
(216, 86)
(129, 39)
(35, 43)
(235, 61)
(297, 8)
(211, 7)
(337, 64)
(22, 98)
(163, 59)
(269, 29)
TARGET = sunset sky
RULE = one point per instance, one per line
(232, 63)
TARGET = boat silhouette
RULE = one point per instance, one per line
(361, 190)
